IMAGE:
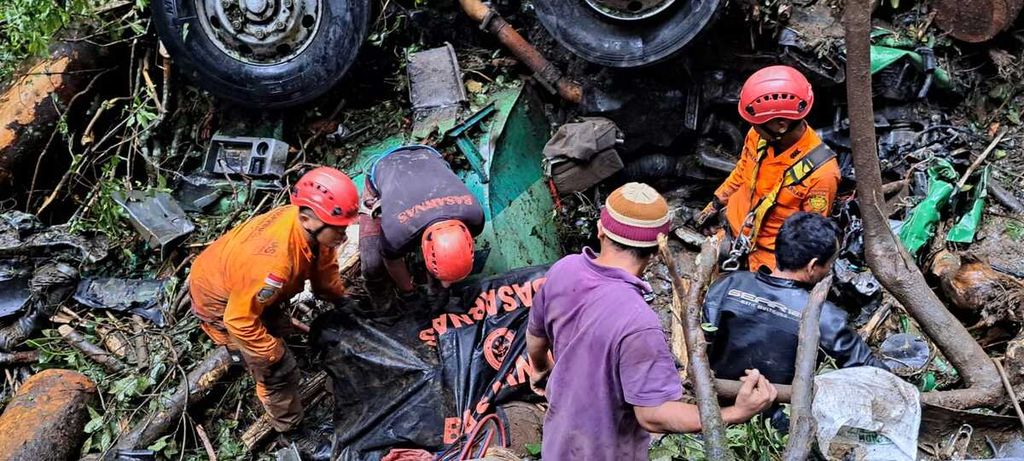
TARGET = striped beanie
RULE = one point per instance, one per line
(634, 215)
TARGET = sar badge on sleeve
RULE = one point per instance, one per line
(817, 203)
(271, 285)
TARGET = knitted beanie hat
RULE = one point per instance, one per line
(634, 215)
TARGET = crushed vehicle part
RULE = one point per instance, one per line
(21, 234)
(247, 156)
(157, 217)
(967, 227)
(436, 90)
(49, 286)
(976, 21)
(856, 288)
(263, 53)
(14, 297)
(460, 135)
(905, 354)
(47, 417)
(626, 34)
(867, 410)
(975, 286)
(517, 201)
(811, 41)
(579, 155)
(145, 298)
(919, 226)
(652, 113)
(199, 193)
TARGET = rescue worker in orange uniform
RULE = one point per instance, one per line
(240, 284)
(412, 198)
(784, 168)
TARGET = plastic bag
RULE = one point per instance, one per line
(919, 227)
(867, 411)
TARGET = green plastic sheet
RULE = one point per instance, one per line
(889, 48)
(965, 229)
(919, 227)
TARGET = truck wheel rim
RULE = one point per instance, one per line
(260, 32)
(629, 10)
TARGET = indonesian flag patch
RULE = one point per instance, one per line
(271, 285)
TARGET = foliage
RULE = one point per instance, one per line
(27, 26)
(755, 440)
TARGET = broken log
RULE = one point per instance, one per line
(19, 358)
(94, 352)
(195, 386)
(47, 417)
(801, 422)
(32, 105)
(976, 21)
(715, 444)
(311, 390)
(886, 257)
(1005, 197)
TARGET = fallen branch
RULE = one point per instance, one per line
(801, 422)
(886, 257)
(195, 386)
(715, 444)
(1010, 391)
(728, 389)
(19, 358)
(978, 161)
(211, 454)
(94, 352)
(311, 391)
(1005, 197)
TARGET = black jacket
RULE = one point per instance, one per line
(758, 322)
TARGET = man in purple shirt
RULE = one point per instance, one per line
(614, 379)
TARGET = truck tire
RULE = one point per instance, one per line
(263, 53)
(604, 32)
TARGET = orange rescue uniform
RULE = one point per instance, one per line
(236, 285)
(814, 194)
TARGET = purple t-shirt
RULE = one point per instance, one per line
(610, 355)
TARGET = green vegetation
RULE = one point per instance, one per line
(756, 440)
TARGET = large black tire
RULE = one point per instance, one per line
(612, 43)
(329, 54)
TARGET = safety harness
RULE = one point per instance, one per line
(795, 174)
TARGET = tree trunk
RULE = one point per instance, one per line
(801, 423)
(976, 21)
(888, 260)
(716, 446)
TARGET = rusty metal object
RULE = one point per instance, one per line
(46, 419)
(31, 106)
(546, 73)
(976, 21)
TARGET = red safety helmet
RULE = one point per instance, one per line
(331, 195)
(448, 250)
(775, 92)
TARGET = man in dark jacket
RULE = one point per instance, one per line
(757, 315)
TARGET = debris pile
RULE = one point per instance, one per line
(125, 151)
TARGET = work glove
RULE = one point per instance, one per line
(709, 216)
